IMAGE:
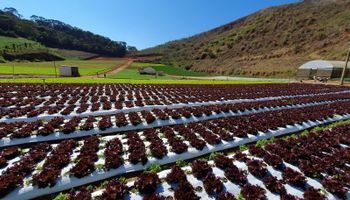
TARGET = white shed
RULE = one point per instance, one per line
(69, 71)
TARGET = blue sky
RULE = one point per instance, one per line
(142, 23)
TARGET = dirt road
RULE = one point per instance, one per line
(115, 69)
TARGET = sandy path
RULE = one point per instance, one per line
(120, 68)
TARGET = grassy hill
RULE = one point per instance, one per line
(16, 55)
(272, 42)
(56, 34)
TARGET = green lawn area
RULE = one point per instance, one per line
(133, 73)
(86, 67)
(131, 81)
(170, 70)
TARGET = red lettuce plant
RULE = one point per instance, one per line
(201, 169)
(293, 177)
(235, 175)
(274, 185)
(185, 191)
(225, 196)
(273, 160)
(147, 183)
(212, 184)
(311, 193)
(114, 190)
(257, 167)
(223, 162)
(253, 192)
(334, 186)
(176, 175)
(113, 151)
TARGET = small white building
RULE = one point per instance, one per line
(69, 71)
(147, 70)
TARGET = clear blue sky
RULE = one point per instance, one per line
(142, 23)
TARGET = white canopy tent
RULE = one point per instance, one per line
(320, 68)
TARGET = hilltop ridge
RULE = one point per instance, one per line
(271, 42)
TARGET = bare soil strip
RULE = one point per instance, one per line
(115, 69)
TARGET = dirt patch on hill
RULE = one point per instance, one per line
(101, 58)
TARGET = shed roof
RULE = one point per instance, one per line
(147, 70)
(322, 64)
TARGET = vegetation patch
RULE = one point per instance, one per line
(177, 71)
(131, 81)
(88, 67)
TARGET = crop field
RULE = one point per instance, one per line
(170, 70)
(88, 80)
(133, 73)
(86, 67)
(174, 141)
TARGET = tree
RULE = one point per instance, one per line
(12, 11)
(131, 49)
(36, 18)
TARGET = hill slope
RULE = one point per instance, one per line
(56, 34)
(270, 42)
(23, 49)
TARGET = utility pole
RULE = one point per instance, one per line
(54, 65)
(344, 69)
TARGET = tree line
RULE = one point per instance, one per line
(57, 34)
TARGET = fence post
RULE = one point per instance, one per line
(54, 64)
(344, 69)
(13, 70)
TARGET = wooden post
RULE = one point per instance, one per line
(13, 70)
(344, 69)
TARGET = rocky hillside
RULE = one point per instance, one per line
(272, 42)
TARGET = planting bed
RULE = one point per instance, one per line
(16, 133)
(66, 136)
(302, 167)
(108, 156)
(30, 102)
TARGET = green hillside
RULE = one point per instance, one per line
(272, 42)
(56, 34)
